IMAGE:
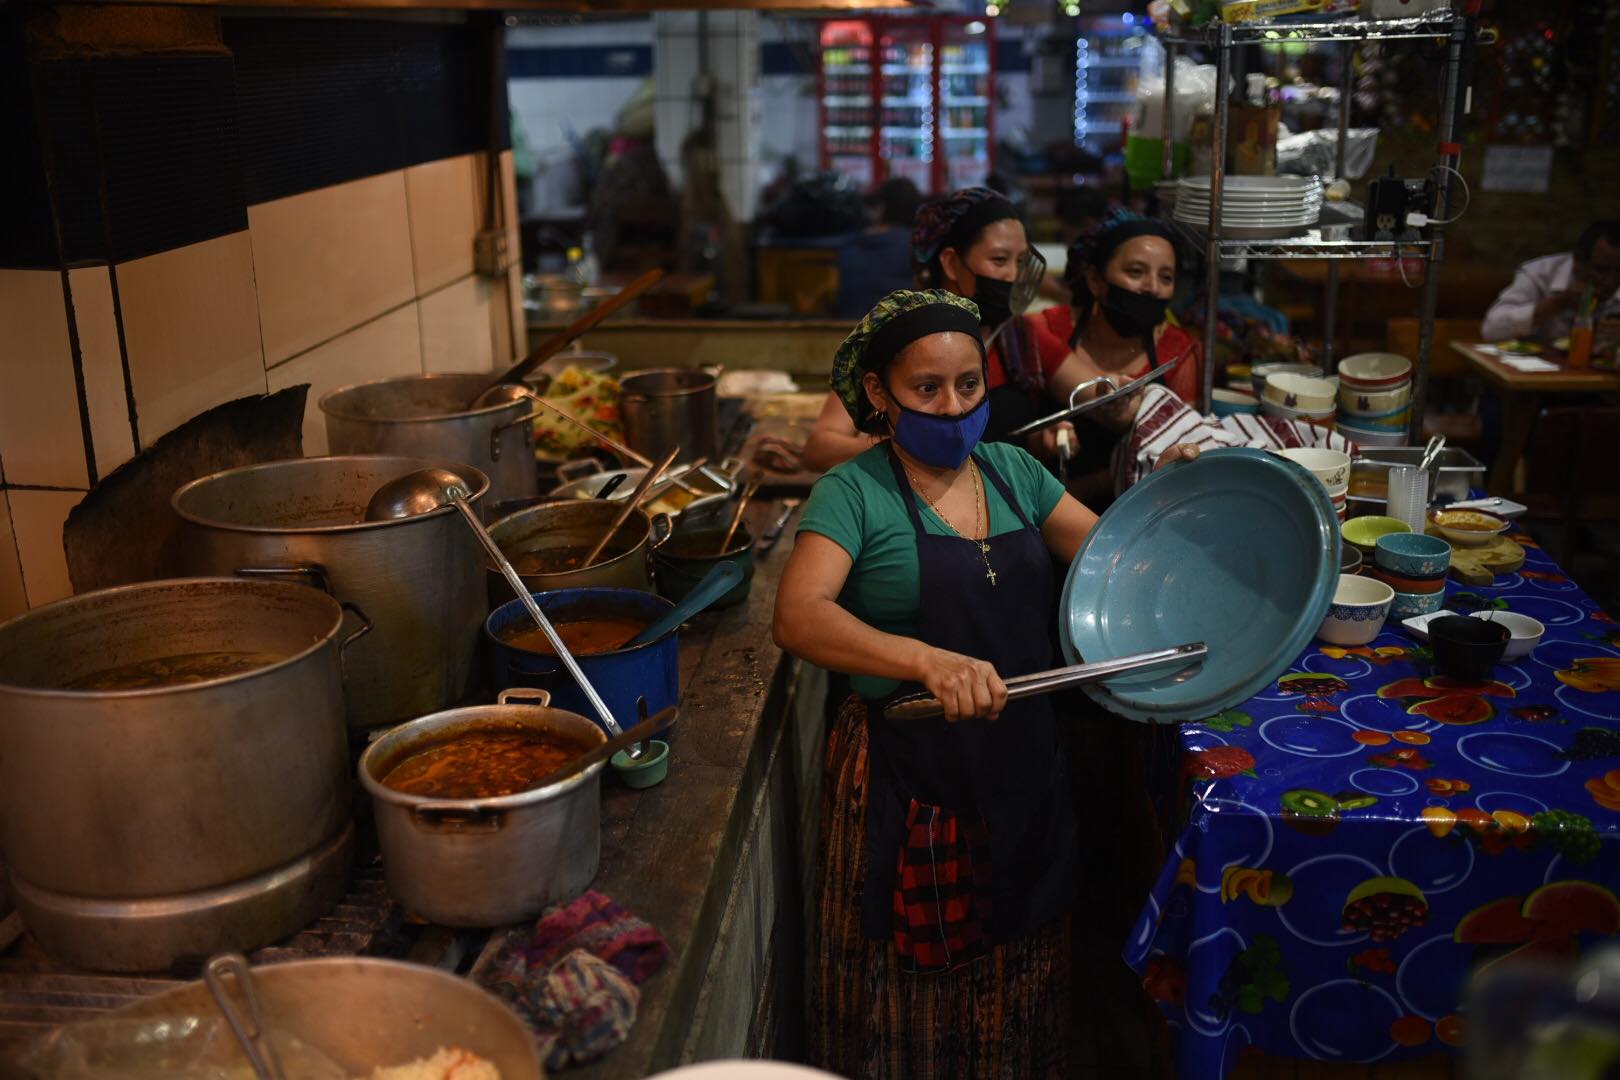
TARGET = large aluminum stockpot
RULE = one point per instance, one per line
(662, 408)
(427, 416)
(494, 861)
(146, 824)
(540, 539)
(420, 579)
(358, 1012)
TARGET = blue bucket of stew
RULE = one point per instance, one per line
(594, 623)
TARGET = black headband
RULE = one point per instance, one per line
(960, 236)
(887, 341)
(1102, 246)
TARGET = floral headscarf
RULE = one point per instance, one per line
(849, 363)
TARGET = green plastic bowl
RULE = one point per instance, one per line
(1364, 532)
(646, 772)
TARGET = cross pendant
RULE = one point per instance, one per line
(991, 574)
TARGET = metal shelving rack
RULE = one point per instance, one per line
(1223, 38)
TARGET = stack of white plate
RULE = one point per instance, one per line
(1253, 207)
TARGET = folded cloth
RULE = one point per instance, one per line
(574, 977)
(1163, 420)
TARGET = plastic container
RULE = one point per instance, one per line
(1408, 496)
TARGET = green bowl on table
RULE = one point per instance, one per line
(1363, 532)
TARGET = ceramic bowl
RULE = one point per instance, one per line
(649, 770)
(1468, 528)
(1525, 632)
(1466, 648)
(1259, 373)
(1231, 402)
(1301, 392)
(1332, 467)
(1389, 437)
(1363, 532)
(1401, 583)
(1360, 606)
(1283, 412)
(1407, 605)
(1384, 422)
(1353, 402)
(1412, 555)
(1374, 370)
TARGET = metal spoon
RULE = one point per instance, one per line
(737, 515)
(423, 492)
(244, 1017)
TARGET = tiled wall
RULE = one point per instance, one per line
(732, 41)
(356, 281)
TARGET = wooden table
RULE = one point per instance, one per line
(1522, 392)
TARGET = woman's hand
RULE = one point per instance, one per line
(1044, 443)
(1179, 452)
(966, 687)
(1119, 415)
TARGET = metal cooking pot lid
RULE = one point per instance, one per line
(1237, 548)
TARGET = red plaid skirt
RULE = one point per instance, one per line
(942, 891)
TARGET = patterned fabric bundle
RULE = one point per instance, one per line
(849, 363)
(574, 979)
(1005, 1017)
(1163, 420)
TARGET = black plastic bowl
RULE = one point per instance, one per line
(1465, 648)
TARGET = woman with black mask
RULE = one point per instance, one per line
(1121, 276)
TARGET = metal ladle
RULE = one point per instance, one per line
(423, 492)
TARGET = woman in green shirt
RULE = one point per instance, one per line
(948, 854)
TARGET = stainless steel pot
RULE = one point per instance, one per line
(426, 416)
(359, 1012)
(144, 825)
(666, 407)
(566, 524)
(486, 862)
(582, 479)
(420, 578)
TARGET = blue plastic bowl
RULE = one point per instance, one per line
(1238, 549)
(1412, 555)
(648, 674)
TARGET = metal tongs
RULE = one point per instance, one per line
(1188, 657)
(1115, 392)
(245, 1017)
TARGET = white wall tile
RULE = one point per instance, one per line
(105, 394)
(443, 198)
(456, 329)
(388, 345)
(37, 518)
(191, 325)
(328, 260)
(41, 436)
(13, 597)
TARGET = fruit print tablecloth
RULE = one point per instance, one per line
(1364, 834)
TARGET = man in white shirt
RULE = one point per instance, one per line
(1545, 292)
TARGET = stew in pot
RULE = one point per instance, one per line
(483, 764)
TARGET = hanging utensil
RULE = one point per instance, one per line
(737, 514)
(1084, 407)
(721, 579)
(565, 337)
(1044, 682)
(648, 479)
(244, 1017)
(426, 490)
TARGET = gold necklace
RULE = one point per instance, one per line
(980, 512)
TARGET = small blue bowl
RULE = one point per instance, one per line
(1413, 555)
(1408, 604)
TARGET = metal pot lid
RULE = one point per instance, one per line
(345, 402)
(1235, 548)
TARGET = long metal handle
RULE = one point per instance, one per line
(499, 558)
(245, 1019)
(648, 479)
(1044, 682)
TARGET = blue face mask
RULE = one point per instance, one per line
(943, 442)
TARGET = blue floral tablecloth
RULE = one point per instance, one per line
(1363, 835)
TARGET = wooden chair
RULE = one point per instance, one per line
(1568, 475)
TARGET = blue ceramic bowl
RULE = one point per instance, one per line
(1412, 555)
(1237, 549)
(1408, 604)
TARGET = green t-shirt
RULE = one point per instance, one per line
(858, 507)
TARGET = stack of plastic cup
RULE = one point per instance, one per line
(1409, 496)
